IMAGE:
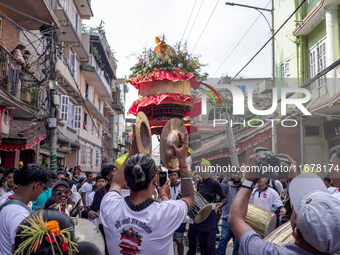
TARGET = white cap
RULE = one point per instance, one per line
(318, 213)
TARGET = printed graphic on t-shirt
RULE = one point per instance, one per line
(264, 195)
(130, 240)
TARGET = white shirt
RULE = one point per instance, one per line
(278, 186)
(148, 231)
(188, 160)
(266, 198)
(10, 218)
(87, 188)
(174, 191)
(4, 199)
(332, 190)
(336, 194)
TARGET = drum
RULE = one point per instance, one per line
(201, 209)
(85, 230)
(281, 235)
(261, 220)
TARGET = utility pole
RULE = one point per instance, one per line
(231, 141)
(52, 121)
(271, 27)
(274, 128)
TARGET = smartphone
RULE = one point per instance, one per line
(162, 178)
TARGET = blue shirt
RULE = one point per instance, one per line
(41, 201)
(252, 244)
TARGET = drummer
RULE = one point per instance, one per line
(175, 189)
(138, 224)
(314, 220)
(209, 188)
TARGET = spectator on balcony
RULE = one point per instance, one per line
(27, 56)
(19, 52)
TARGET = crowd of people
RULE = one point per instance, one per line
(134, 215)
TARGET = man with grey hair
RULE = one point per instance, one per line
(315, 220)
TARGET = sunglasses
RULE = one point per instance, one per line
(43, 185)
(59, 192)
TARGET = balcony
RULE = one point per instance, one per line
(95, 111)
(94, 75)
(84, 8)
(20, 90)
(119, 108)
(44, 10)
(71, 31)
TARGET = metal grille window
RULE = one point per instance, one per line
(317, 62)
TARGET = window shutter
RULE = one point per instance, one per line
(77, 117)
(83, 153)
(70, 116)
(64, 107)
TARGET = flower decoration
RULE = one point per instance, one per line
(39, 230)
(165, 57)
(53, 226)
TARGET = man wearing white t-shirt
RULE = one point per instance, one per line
(175, 189)
(31, 181)
(266, 197)
(86, 189)
(138, 224)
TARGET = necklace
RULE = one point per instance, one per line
(140, 206)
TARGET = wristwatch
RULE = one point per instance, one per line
(248, 184)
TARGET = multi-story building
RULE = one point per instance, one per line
(97, 80)
(306, 48)
(22, 91)
(89, 104)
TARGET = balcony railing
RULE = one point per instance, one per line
(18, 81)
(100, 73)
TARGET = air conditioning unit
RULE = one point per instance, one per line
(266, 87)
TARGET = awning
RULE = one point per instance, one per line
(23, 135)
(17, 147)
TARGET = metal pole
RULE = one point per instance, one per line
(274, 129)
(231, 142)
(53, 109)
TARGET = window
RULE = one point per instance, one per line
(98, 158)
(317, 62)
(85, 121)
(312, 131)
(64, 107)
(86, 154)
(94, 126)
(70, 117)
(99, 102)
(285, 69)
(83, 154)
(86, 90)
(98, 128)
(73, 62)
(77, 117)
(75, 19)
